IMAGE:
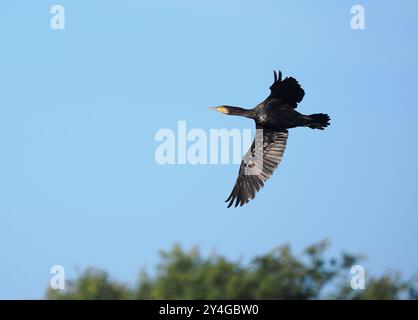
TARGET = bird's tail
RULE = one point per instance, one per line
(318, 121)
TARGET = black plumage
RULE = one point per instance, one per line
(273, 117)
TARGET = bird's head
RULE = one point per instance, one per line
(233, 111)
(223, 109)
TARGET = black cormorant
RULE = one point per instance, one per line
(274, 116)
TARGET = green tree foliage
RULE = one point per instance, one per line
(278, 274)
(93, 284)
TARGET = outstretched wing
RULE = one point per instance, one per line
(258, 165)
(288, 91)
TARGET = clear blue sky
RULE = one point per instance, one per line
(79, 109)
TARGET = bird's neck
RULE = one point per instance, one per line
(237, 111)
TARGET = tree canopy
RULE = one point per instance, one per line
(278, 274)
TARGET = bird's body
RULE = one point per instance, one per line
(275, 115)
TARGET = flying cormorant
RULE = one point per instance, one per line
(273, 116)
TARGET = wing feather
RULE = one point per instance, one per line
(256, 169)
(288, 91)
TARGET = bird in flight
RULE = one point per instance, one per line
(273, 117)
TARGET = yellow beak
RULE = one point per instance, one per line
(219, 109)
